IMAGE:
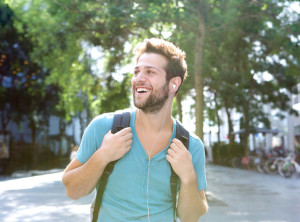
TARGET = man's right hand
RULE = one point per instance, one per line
(116, 145)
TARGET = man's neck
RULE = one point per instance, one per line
(161, 120)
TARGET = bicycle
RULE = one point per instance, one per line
(290, 166)
(272, 165)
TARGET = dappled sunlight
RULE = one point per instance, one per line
(40, 198)
(30, 182)
(47, 213)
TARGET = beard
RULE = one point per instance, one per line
(155, 101)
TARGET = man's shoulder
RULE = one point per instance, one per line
(106, 119)
(194, 137)
(102, 119)
(110, 115)
(195, 141)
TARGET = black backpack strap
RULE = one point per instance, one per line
(120, 121)
(183, 135)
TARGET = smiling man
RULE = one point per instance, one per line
(138, 189)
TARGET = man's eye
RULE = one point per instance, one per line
(136, 72)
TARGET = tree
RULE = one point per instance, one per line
(218, 36)
(62, 37)
(245, 51)
(23, 89)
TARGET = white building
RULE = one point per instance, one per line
(294, 123)
(288, 129)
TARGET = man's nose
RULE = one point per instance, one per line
(141, 76)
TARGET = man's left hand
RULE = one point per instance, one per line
(180, 159)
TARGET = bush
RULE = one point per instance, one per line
(223, 153)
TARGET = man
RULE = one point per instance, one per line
(139, 187)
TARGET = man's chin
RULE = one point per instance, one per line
(141, 107)
(146, 108)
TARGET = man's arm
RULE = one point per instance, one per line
(192, 204)
(80, 179)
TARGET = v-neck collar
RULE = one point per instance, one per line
(141, 150)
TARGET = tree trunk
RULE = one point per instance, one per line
(33, 133)
(179, 106)
(198, 69)
(247, 130)
(246, 147)
(218, 117)
(230, 126)
(219, 128)
(4, 120)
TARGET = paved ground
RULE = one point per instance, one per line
(40, 198)
(234, 195)
(245, 196)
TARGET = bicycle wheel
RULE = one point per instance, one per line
(270, 167)
(288, 169)
(259, 166)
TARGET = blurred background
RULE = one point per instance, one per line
(62, 63)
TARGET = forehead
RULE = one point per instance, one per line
(152, 60)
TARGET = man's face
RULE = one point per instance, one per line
(149, 86)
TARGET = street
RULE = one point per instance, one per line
(237, 195)
(40, 198)
(233, 194)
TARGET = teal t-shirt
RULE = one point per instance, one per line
(125, 196)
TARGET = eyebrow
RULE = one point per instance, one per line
(146, 67)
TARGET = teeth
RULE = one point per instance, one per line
(142, 90)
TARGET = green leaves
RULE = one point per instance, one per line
(241, 40)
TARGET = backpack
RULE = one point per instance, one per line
(121, 121)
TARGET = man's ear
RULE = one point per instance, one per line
(174, 84)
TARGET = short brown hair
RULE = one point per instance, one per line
(175, 56)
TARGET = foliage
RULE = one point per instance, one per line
(250, 47)
(238, 44)
(224, 153)
(23, 92)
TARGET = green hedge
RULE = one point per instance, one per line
(223, 153)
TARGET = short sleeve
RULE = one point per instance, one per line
(197, 151)
(93, 137)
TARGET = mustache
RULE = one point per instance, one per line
(141, 85)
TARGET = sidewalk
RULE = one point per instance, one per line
(237, 195)
(30, 173)
(40, 198)
(234, 196)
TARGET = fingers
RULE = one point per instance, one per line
(176, 150)
(178, 144)
(128, 143)
(174, 147)
(123, 137)
(124, 134)
(124, 131)
(169, 158)
(171, 152)
(128, 136)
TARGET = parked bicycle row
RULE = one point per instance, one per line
(286, 165)
(275, 161)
